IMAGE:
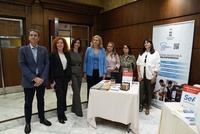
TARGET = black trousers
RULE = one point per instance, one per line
(92, 80)
(61, 94)
(29, 94)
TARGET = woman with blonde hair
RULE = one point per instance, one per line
(94, 63)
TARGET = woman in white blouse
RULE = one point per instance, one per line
(112, 59)
(148, 64)
(60, 75)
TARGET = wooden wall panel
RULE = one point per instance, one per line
(37, 14)
(28, 24)
(42, 40)
(12, 73)
(81, 32)
(194, 67)
(147, 11)
(12, 10)
(131, 34)
(134, 22)
(70, 17)
(46, 29)
(135, 34)
(10, 28)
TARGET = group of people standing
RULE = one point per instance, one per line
(98, 65)
(64, 68)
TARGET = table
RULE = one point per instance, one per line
(171, 124)
(118, 106)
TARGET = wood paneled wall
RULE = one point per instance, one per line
(37, 14)
(134, 22)
(131, 23)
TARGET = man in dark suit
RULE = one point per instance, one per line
(34, 65)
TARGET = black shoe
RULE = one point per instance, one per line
(64, 118)
(141, 108)
(27, 129)
(61, 120)
(45, 122)
(79, 115)
(73, 111)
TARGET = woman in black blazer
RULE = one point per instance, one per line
(60, 74)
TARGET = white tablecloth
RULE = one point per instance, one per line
(171, 124)
(118, 106)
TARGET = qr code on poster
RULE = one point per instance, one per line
(176, 45)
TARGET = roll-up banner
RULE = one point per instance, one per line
(174, 43)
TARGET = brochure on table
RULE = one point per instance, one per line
(127, 77)
(115, 87)
(186, 111)
(186, 114)
(189, 95)
(102, 85)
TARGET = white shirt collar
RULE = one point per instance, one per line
(32, 46)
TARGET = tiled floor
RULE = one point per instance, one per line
(12, 106)
(78, 125)
(15, 102)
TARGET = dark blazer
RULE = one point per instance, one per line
(56, 68)
(28, 65)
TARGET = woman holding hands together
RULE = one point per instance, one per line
(148, 64)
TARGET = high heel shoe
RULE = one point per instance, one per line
(64, 118)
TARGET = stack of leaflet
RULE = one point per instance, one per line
(97, 86)
(105, 86)
(115, 87)
(102, 85)
(186, 114)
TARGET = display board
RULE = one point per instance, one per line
(174, 44)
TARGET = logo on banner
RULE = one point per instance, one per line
(170, 37)
(164, 46)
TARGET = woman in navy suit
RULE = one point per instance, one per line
(95, 63)
(60, 74)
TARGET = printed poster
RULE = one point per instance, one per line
(174, 44)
